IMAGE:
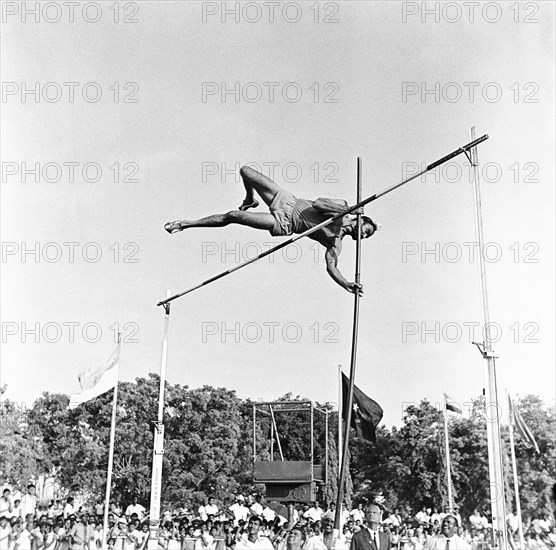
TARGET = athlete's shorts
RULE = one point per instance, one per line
(281, 208)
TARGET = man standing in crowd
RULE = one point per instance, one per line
(436, 516)
(422, 517)
(81, 534)
(478, 521)
(5, 504)
(209, 509)
(448, 540)
(29, 501)
(239, 510)
(513, 523)
(254, 540)
(326, 540)
(5, 531)
(68, 508)
(257, 507)
(344, 515)
(369, 537)
(396, 518)
(16, 508)
(358, 514)
(314, 513)
(24, 541)
(123, 537)
(135, 508)
(295, 539)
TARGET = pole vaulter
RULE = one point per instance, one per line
(332, 219)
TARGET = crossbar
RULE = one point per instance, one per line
(349, 210)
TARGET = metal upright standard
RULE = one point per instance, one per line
(349, 210)
(349, 405)
(158, 447)
(496, 467)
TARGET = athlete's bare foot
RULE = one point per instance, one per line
(246, 204)
(174, 227)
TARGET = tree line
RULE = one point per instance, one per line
(208, 449)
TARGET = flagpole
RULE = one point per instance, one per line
(158, 446)
(496, 467)
(448, 467)
(326, 449)
(340, 409)
(516, 483)
(111, 449)
(357, 297)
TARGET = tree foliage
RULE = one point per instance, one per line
(208, 449)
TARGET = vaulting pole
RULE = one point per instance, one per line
(353, 363)
(496, 467)
(349, 210)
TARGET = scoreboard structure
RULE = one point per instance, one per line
(287, 481)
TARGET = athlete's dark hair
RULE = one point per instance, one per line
(368, 220)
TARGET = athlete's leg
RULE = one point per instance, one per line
(256, 220)
(255, 181)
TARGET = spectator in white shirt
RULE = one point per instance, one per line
(5, 532)
(478, 521)
(358, 514)
(211, 509)
(6, 504)
(314, 513)
(239, 510)
(68, 508)
(257, 508)
(25, 539)
(135, 508)
(422, 516)
(16, 508)
(29, 501)
(448, 540)
(254, 540)
(327, 539)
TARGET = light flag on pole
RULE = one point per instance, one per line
(97, 380)
(521, 427)
(451, 404)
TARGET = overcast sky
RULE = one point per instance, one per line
(137, 123)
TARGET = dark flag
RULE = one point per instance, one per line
(366, 413)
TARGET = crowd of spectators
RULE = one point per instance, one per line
(247, 523)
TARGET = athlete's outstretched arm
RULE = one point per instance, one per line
(331, 257)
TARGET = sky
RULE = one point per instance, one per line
(141, 113)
